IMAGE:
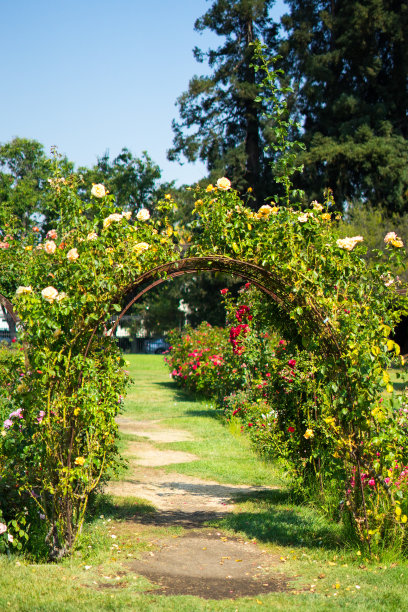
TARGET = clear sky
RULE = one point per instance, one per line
(95, 75)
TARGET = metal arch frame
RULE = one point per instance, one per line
(267, 281)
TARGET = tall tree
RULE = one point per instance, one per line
(349, 59)
(221, 124)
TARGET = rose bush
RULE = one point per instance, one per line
(62, 390)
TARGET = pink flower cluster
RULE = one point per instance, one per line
(17, 414)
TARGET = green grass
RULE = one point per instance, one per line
(309, 549)
(223, 457)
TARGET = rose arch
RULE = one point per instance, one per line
(62, 388)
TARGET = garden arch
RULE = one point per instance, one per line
(267, 281)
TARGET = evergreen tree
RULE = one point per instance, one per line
(221, 123)
(349, 59)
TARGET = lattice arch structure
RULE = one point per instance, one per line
(265, 280)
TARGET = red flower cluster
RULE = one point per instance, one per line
(235, 332)
(243, 313)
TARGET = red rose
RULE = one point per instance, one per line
(291, 429)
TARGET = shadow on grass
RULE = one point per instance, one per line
(117, 508)
(181, 395)
(273, 517)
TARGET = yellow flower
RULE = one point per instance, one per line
(140, 247)
(109, 220)
(224, 184)
(72, 254)
(79, 461)
(404, 518)
(143, 215)
(265, 211)
(49, 294)
(308, 434)
(169, 230)
(398, 511)
(316, 205)
(28, 248)
(20, 290)
(397, 243)
(326, 216)
(98, 190)
(198, 203)
(390, 236)
(209, 187)
(349, 243)
(50, 247)
(249, 190)
(167, 196)
(127, 215)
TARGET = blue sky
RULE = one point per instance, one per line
(96, 75)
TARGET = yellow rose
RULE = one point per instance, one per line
(326, 216)
(140, 247)
(143, 215)
(390, 236)
(397, 243)
(127, 215)
(209, 187)
(98, 190)
(224, 184)
(72, 255)
(167, 196)
(109, 220)
(49, 294)
(28, 248)
(308, 434)
(50, 247)
(79, 461)
(264, 212)
(22, 290)
(349, 243)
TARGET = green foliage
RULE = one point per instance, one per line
(348, 62)
(220, 120)
(63, 390)
(23, 180)
(328, 385)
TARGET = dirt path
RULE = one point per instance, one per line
(203, 562)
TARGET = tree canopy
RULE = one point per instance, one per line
(220, 122)
(349, 63)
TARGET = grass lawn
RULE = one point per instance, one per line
(325, 572)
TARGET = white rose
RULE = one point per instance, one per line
(3, 528)
(50, 247)
(49, 294)
(92, 236)
(98, 190)
(143, 215)
(127, 214)
(72, 255)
